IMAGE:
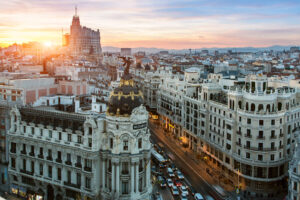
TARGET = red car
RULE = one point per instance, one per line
(178, 183)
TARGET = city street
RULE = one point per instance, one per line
(194, 172)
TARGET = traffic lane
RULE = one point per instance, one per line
(196, 180)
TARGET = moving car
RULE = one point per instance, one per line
(175, 191)
(183, 197)
(198, 196)
(179, 175)
(178, 183)
(183, 190)
(162, 182)
(173, 166)
(170, 182)
(170, 172)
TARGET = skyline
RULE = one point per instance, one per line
(159, 24)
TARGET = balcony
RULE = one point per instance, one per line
(259, 148)
(58, 160)
(68, 162)
(41, 156)
(88, 169)
(260, 137)
(248, 136)
(27, 172)
(23, 152)
(31, 154)
(273, 137)
(49, 158)
(72, 184)
(78, 165)
(12, 151)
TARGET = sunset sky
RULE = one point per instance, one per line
(173, 24)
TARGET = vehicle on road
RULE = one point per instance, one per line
(178, 183)
(208, 197)
(170, 182)
(219, 190)
(170, 172)
(179, 175)
(198, 196)
(162, 182)
(158, 159)
(183, 197)
(192, 191)
(183, 190)
(174, 190)
(173, 166)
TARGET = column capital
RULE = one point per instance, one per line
(135, 160)
(115, 160)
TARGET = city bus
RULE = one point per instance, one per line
(158, 159)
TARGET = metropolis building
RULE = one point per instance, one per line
(54, 154)
(248, 131)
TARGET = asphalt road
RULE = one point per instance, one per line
(189, 168)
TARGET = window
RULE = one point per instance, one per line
(228, 136)
(261, 122)
(41, 151)
(248, 121)
(295, 186)
(87, 182)
(50, 133)
(69, 157)
(41, 169)
(90, 131)
(90, 142)
(272, 134)
(59, 135)
(32, 130)
(260, 146)
(125, 168)
(59, 174)
(49, 153)
(260, 134)
(125, 187)
(32, 166)
(273, 122)
(140, 143)
(24, 164)
(125, 145)
(260, 157)
(79, 159)
(272, 157)
(69, 137)
(13, 147)
(59, 155)
(111, 143)
(248, 155)
(41, 132)
(78, 179)
(50, 171)
(79, 139)
(13, 163)
(69, 176)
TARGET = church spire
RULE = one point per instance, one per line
(76, 10)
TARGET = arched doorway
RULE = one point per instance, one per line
(50, 193)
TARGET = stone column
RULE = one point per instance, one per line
(136, 177)
(112, 176)
(103, 173)
(148, 172)
(117, 179)
(132, 178)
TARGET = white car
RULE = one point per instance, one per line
(175, 191)
(170, 182)
(183, 197)
(179, 175)
(198, 196)
(170, 172)
(183, 190)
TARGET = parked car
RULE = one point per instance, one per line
(169, 182)
(183, 197)
(198, 196)
(183, 190)
(192, 191)
(178, 183)
(162, 165)
(175, 191)
(162, 182)
(179, 175)
(170, 172)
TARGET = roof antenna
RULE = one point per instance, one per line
(76, 10)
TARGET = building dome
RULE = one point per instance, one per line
(124, 98)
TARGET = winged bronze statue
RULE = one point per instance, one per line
(127, 62)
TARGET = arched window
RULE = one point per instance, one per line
(240, 104)
(268, 108)
(279, 106)
(260, 107)
(252, 107)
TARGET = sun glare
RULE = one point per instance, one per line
(48, 44)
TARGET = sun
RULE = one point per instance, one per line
(48, 44)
